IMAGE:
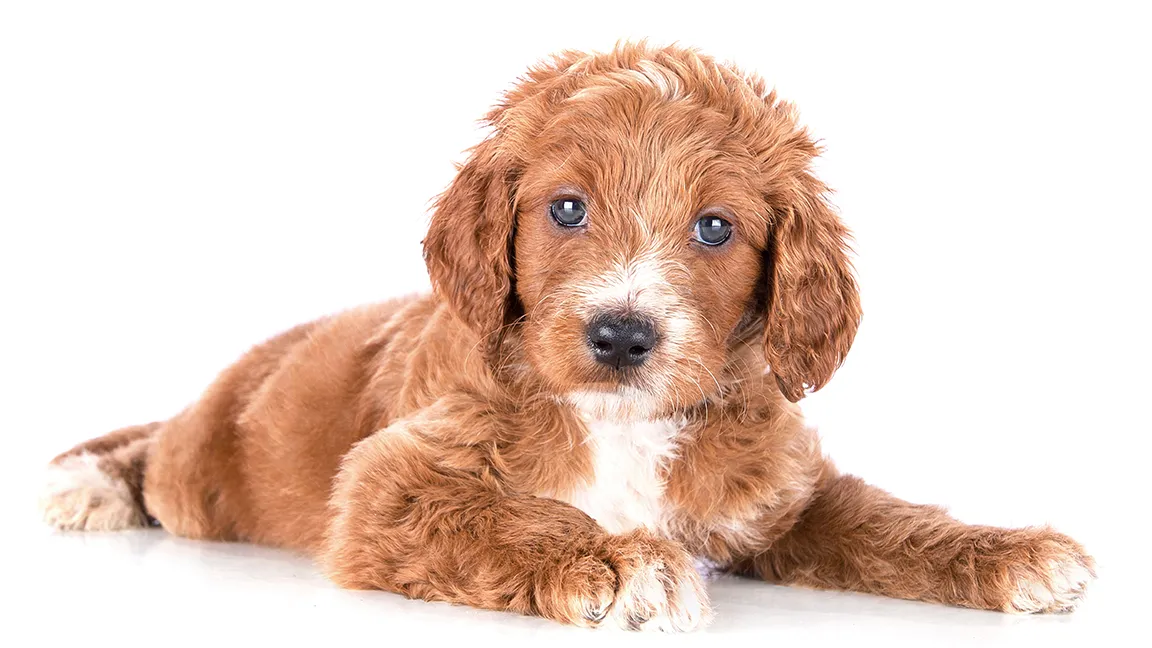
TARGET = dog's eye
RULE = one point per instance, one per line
(713, 230)
(569, 212)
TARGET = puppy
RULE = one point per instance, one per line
(636, 276)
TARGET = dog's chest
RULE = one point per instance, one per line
(630, 462)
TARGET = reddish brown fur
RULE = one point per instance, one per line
(410, 446)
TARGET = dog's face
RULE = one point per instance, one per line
(635, 220)
(638, 246)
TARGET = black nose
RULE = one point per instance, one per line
(621, 341)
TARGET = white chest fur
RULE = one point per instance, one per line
(630, 459)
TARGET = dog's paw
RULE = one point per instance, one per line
(581, 592)
(638, 582)
(79, 495)
(660, 588)
(1043, 571)
(1055, 580)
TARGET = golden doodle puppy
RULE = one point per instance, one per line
(636, 276)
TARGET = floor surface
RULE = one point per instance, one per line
(132, 588)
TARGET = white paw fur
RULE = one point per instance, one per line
(1059, 590)
(78, 495)
(656, 599)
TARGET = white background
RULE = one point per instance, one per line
(178, 182)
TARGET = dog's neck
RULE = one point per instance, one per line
(631, 443)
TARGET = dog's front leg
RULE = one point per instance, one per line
(857, 537)
(421, 508)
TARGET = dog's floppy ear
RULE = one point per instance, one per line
(468, 248)
(814, 306)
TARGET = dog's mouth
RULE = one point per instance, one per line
(624, 390)
(625, 380)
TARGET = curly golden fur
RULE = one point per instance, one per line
(466, 446)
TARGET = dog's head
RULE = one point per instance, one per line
(636, 218)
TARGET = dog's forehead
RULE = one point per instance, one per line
(681, 133)
(627, 146)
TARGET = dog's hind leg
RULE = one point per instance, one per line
(97, 486)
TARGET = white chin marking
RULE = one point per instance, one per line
(78, 495)
(1059, 590)
(623, 404)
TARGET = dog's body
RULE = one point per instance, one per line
(590, 400)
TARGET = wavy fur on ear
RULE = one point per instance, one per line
(468, 248)
(469, 245)
(815, 305)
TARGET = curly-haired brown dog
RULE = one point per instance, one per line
(634, 276)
